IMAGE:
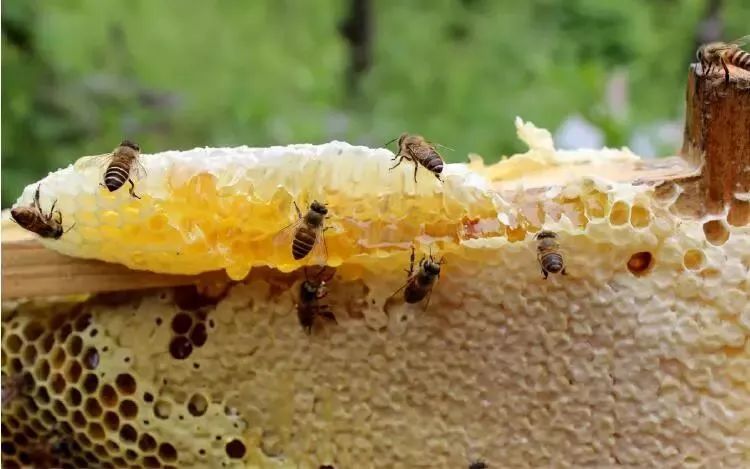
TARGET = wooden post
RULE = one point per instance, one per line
(717, 138)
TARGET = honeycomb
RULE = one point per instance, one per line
(638, 357)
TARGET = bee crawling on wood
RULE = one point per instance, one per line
(306, 233)
(123, 165)
(309, 306)
(420, 284)
(722, 53)
(33, 219)
(416, 149)
(548, 253)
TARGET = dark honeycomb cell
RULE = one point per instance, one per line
(189, 298)
(59, 408)
(167, 452)
(47, 342)
(131, 455)
(119, 462)
(74, 345)
(90, 383)
(151, 462)
(16, 365)
(83, 322)
(197, 405)
(199, 335)
(41, 372)
(29, 354)
(20, 439)
(13, 343)
(91, 358)
(128, 433)
(79, 420)
(32, 331)
(108, 395)
(73, 373)
(111, 420)
(64, 331)
(42, 395)
(180, 348)
(92, 408)
(181, 323)
(125, 383)
(57, 383)
(235, 449)
(57, 357)
(128, 409)
(73, 397)
(640, 263)
(147, 443)
(8, 448)
(101, 451)
(96, 431)
(83, 440)
(148, 397)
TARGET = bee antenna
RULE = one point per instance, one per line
(70, 227)
(443, 146)
(390, 141)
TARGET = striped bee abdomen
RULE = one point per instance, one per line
(116, 175)
(552, 262)
(414, 293)
(739, 58)
(304, 240)
(434, 163)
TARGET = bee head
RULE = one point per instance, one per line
(309, 287)
(546, 234)
(699, 54)
(318, 207)
(129, 144)
(402, 137)
(432, 267)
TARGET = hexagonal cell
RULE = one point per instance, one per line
(82, 322)
(640, 216)
(128, 409)
(47, 342)
(32, 331)
(41, 370)
(640, 263)
(235, 449)
(693, 259)
(57, 383)
(716, 232)
(197, 405)
(620, 213)
(73, 397)
(151, 462)
(74, 345)
(147, 443)
(29, 354)
(90, 383)
(73, 371)
(167, 452)
(128, 434)
(59, 408)
(92, 408)
(181, 323)
(111, 420)
(96, 431)
(91, 358)
(78, 419)
(13, 343)
(64, 331)
(42, 395)
(125, 384)
(57, 357)
(108, 395)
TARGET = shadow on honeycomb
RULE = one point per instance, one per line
(74, 395)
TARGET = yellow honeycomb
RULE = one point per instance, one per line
(638, 357)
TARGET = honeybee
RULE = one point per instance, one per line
(12, 388)
(46, 451)
(123, 165)
(33, 219)
(416, 149)
(723, 53)
(309, 306)
(306, 233)
(548, 253)
(419, 285)
(478, 464)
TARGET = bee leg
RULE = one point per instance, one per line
(36, 196)
(416, 167)
(726, 71)
(132, 189)
(296, 207)
(400, 159)
(544, 272)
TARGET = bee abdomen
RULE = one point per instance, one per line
(413, 293)
(303, 242)
(115, 176)
(434, 164)
(552, 262)
(740, 58)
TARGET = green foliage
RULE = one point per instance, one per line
(177, 74)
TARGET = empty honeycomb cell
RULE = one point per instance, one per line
(640, 216)
(167, 452)
(42, 395)
(73, 397)
(13, 343)
(92, 408)
(59, 408)
(100, 450)
(147, 443)
(8, 448)
(74, 345)
(47, 342)
(96, 431)
(57, 357)
(118, 461)
(91, 358)
(125, 384)
(16, 365)
(181, 323)
(57, 383)
(128, 434)
(111, 420)
(716, 232)
(148, 397)
(32, 331)
(197, 405)
(108, 395)
(180, 347)
(151, 462)
(74, 371)
(48, 417)
(64, 331)
(162, 409)
(235, 449)
(199, 335)
(20, 439)
(620, 213)
(130, 455)
(41, 370)
(90, 383)
(693, 259)
(29, 354)
(82, 322)
(78, 419)
(640, 263)
(128, 409)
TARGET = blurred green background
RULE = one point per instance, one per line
(79, 75)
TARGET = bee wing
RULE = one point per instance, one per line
(421, 152)
(743, 41)
(429, 295)
(137, 171)
(99, 161)
(406, 284)
(285, 236)
(319, 254)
